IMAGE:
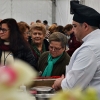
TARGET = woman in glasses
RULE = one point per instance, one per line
(53, 62)
(12, 44)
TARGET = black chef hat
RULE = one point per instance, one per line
(86, 14)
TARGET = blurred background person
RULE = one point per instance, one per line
(54, 61)
(73, 44)
(13, 45)
(60, 28)
(31, 23)
(51, 29)
(24, 29)
(38, 21)
(38, 44)
(45, 22)
(55, 24)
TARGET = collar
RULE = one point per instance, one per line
(6, 43)
(91, 34)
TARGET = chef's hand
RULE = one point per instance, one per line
(57, 83)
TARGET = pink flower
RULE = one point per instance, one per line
(8, 75)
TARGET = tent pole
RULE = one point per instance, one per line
(53, 11)
(11, 8)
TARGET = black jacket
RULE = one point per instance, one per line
(24, 54)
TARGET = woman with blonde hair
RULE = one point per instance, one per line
(38, 44)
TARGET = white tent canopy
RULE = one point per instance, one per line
(51, 10)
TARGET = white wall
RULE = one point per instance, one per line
(5, 9)
(63, 15)
(94, 4)
(26, 10)
(31, 10)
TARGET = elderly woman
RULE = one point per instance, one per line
(53, 62)
(38, 44)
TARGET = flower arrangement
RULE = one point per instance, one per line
(12, 77)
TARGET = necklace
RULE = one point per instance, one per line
(5, 56)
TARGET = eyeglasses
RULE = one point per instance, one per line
(54, 48)
(4, 30)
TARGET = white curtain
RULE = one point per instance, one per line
(26, 10)
(5, 9)
(94, 4)
(31, 10)
(63, 15)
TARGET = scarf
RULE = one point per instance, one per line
(34, 47)
(49, 67)
(4, 47)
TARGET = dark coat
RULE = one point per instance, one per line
(73, 44)
(46, 44)
(59, 67)
(24, 54)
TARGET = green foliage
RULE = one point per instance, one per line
(76, 94)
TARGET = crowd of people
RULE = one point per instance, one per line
(70, 51)
(36, 44)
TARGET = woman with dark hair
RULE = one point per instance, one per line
(12, 44)
(60, 28)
